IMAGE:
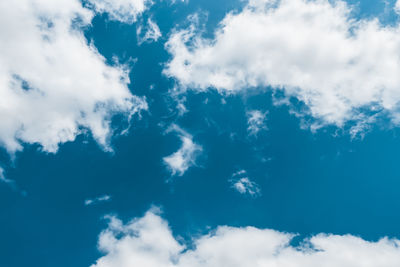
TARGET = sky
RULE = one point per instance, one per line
(199, 133)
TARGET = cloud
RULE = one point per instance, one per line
(11, 183)
(53, 84)
(256, 121)
(143, 242)
(3, 177)
(97, 200)
(180, 161)
(243, 184)
(125, 11)
(149, 242)
(342, 68)
(397, 7)
(150, 33)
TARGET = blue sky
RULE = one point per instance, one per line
(202, 136)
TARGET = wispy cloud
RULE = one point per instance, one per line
(93, 201)
(256, 121)
(180, 161)
(150, 32)
(3, 177)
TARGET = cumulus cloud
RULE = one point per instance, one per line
(53, 84)
(149, 242)
(242, 183)
(256, 121)
(342, 68)
(148, 33)
(180, 161)
(97, 200)
(126, 11)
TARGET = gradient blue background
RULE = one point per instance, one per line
(312, 182)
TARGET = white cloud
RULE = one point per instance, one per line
(150, 33)
(180, 161)
(126, 11)
(243, 184)
(143, 242)
(256, 121)
(97, 200)
(148, 242)
(53, 84)
(397, 6)
(313, 50)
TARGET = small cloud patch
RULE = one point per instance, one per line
(148, 33)
(242, 183)
(256, 121)
(180, 161)
(97, 200)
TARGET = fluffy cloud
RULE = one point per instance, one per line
(342, 68)
(148, 242)
(143, 242)
(180, 161)
(53, 84)
(125, 11)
